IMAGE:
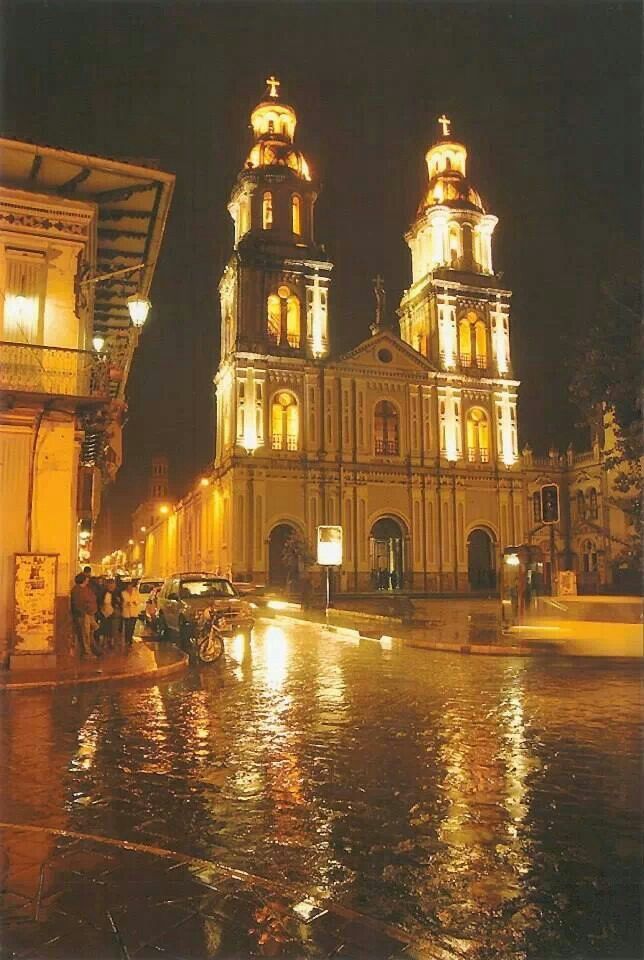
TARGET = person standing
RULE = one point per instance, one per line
(83, 603)
(131, 604)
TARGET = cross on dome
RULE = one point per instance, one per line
(273, 83)
(445, 123)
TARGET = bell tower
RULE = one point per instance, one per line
(274, 289)
(456, 312)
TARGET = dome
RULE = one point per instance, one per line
(447, 168)
(273, 123)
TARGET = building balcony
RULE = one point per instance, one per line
(53, 371)
(387, 448)
(280, 441)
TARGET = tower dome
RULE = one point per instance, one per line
(447, 167)
(273, 123)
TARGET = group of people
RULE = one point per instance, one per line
(104, 613)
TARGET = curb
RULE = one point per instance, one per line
(158, 673)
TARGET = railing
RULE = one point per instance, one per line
(387, 447)
(293, 340)
(465, 359)
(481, 361)
(281, 442)
(33, 368)
(476, 454)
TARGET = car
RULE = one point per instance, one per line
(583, 626)
(183, 598)
(147, 585)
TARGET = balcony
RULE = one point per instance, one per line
(478, 455)
(280, 441)
(57, 371)
(387, 448)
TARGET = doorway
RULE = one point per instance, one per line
(387, 554)
(278, 570)
(481, 569)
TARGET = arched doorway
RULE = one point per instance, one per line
(387, 554)
(277, 569)
(481, 567)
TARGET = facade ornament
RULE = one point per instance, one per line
(379, 290)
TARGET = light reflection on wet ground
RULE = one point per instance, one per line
(493, 801)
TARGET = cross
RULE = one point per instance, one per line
(445, 123)
(273, 83)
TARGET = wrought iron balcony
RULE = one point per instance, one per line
(388, 448)
(280, 441)
(59, 371)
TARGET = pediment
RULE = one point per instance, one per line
(388, 353)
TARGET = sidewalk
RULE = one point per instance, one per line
(145, 660)
(464, 625)
(77, 896)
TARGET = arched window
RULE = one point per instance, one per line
(285, 425)
(589, 557)
(536, 507)
(387, 429)
(274, 317)
(448, 163)
(267, 211)
(244, 216)
(467, 244)
(478, 436)
(293, 321)
(581, 505)
(593, 504)
(480, 340)
(454, 244)
(296, 205)
(464, 342)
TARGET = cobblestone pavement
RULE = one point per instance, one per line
(422, 804)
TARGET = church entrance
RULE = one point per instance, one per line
(480, 560)
(386, 549)
(278, 571)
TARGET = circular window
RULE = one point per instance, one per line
(283, 292)
(385, 356)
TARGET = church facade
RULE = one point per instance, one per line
(408, 441)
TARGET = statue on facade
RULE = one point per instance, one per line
(379, 290)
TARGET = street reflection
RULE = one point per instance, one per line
(492, 801)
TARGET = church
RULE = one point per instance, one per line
(408, 441)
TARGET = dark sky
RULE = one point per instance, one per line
(545, 96)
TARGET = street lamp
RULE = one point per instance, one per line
(138, 307)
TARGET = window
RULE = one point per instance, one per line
(24, 296)
(387, 429)
(464, 342)
(480, 340)
(589, 557)
(244, 216)
(274, 317)
(296, 205)
(581, 505)
(467, 244)
(478, 436)
(267, 211)
(293, 321)
(284, 422)
(536, 507)
(593, 513)
(454, 244)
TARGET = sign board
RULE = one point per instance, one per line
(567, 583)
(34, 602)
(330, 546)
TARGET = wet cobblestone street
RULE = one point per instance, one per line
(480, 808)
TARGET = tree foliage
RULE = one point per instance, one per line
(607, 385)
(296, 554)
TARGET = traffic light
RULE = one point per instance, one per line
(550, 503)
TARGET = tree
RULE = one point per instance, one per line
(296, 555)
(607, 388)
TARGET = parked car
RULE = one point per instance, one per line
(184, 597)
(147, 586)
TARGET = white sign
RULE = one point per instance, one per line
(330, 546)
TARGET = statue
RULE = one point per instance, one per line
(379, 290)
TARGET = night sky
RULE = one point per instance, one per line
(545, 96)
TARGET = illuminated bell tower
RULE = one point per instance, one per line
(274, 289)
(456, 313)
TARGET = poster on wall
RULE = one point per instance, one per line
(35, 602)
